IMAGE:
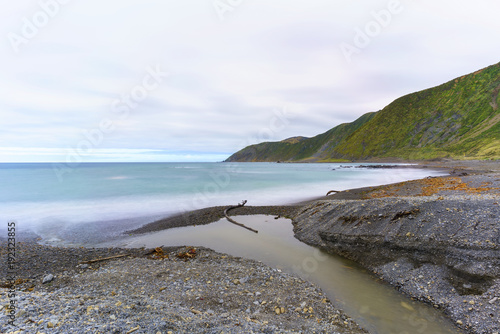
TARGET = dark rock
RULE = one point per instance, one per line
(439, 251)
(407, 228)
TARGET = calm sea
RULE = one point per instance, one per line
(98, 201)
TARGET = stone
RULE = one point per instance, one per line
(48, 278)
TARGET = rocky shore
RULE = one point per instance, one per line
(163, 290)
(436, 240)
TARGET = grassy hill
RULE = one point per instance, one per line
(459, 119)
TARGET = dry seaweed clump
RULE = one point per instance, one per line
(190, 253)
(432, 186)
(158, 254)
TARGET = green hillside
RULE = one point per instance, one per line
(300, 148)
(459, 119)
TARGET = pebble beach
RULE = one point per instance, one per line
(167, 290)
(178, 290)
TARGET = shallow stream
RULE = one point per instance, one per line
(374, 305)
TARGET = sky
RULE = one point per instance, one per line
(197, 80)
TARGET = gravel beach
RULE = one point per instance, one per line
(196, 290)
(166, 290)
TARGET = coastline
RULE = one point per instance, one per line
(212, 214)
(63, 262)
(467, 180)
(436, 240)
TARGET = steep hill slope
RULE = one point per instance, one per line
(459, 119)
(300, 148)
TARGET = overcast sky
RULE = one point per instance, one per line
(196, 80)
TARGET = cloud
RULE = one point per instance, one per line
(226, 77)
(46, 155)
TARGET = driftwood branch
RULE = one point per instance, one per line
(133, 330)
(235, 222)
(332, 191)
(104, 258)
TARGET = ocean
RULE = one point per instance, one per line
(94, 202)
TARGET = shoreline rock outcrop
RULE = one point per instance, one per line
(441, 249)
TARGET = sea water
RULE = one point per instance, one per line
(93, 205)
(93, 202)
